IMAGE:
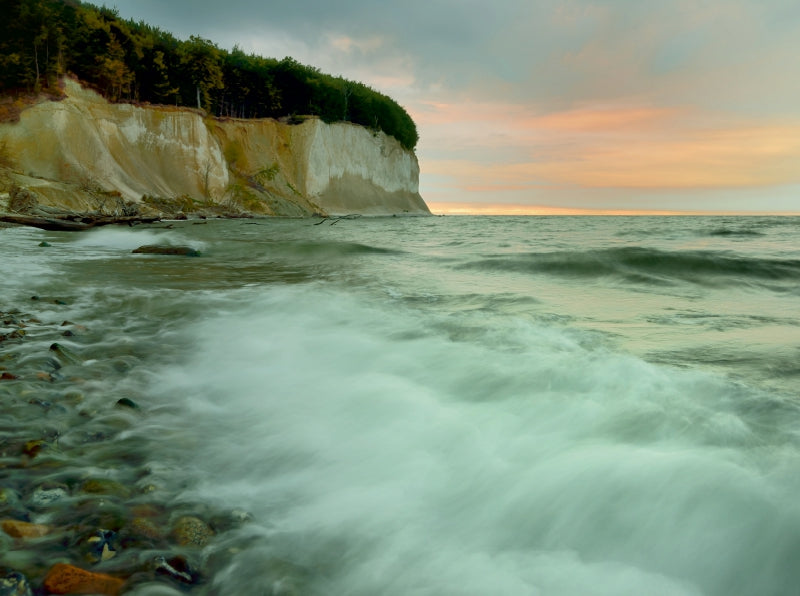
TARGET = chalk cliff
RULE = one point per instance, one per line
(83, 151)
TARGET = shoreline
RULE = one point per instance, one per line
(79, 499)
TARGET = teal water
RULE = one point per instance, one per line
(459, 405)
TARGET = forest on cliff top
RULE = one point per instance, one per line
(128, 61)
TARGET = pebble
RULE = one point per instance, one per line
(15, 584)
(65, 355)
(104, 486)
(144, 528)
(126, 402)
(68, 579)
(176, 568)
(100, 546)
(21, 529)
(32, 448)
(43, 498)
(191, 531)
(83, 519)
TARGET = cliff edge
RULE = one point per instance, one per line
(85, 154)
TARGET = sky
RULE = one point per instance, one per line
(530, 105)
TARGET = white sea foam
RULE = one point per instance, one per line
(127, 239)
(384, 457)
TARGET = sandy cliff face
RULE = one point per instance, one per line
(76, 151)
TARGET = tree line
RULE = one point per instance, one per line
(129, 61)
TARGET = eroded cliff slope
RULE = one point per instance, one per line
(82, 151)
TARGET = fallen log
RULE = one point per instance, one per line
(73, 222)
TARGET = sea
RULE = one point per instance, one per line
(461, 405)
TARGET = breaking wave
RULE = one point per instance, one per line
(648, 266)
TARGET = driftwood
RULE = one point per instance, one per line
(73, 222)
(335, 220)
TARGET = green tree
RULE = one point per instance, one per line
(201, 61)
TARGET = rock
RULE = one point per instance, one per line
(144, 528)
(104, 486)
(44, 244)
(21, 529)
(155, 249)
(8, 498)
(7, 376)
(43, 497)
(65, 355)
(127, 403)
(177, 568)
(15, 584)
(22, 200)
(100, 546)
(33, 448)
(68, 579)
(191, 531)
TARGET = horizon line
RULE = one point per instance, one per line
(466, 208)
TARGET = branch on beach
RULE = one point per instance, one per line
(335, 220)
(73, 222)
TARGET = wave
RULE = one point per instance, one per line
(734, 232)
(647, 266)
(323, 249)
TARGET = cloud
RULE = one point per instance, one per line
(611, 147)
(557, 94)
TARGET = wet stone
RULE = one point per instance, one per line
(154, 249)
(33, 448)
(141, 527)
(44, 497)
(8, 498)
(68, 579)
(100, 546)
(21, 529)
(64, 354)
(191, 531)
(15, 584)
(177, 568)
(103, 486)
(127, 403)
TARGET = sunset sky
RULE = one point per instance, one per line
(666, 105)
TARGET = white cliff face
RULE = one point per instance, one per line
(137, 151)
(166, 152)
(338, 150)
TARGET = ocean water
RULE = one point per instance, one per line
(451, 405)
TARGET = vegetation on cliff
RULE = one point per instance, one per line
(127, 61)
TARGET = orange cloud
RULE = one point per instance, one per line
(609, 147)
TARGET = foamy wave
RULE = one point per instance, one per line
(517, 461)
